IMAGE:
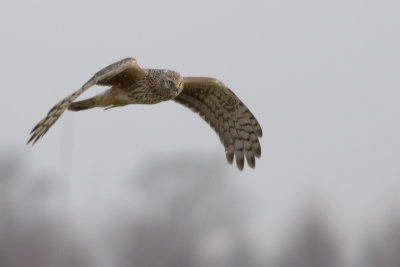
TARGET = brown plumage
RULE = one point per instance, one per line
(236, 126)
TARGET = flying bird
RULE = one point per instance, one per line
(236, 126)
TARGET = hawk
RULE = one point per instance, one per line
(236, 126)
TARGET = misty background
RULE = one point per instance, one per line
(150, 186)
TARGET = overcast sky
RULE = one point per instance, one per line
(321, 77)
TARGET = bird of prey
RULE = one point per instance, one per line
(236, 126)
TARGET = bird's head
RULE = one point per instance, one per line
(172, 83)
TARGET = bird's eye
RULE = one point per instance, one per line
(170, 83)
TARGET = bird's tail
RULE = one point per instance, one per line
(85, 104)
(82, 105)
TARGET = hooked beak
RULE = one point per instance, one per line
(176, 89)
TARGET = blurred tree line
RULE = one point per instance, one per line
(191, 217)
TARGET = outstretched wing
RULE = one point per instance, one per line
(227, 115)
(121, 72)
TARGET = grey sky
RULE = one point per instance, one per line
(322, 78)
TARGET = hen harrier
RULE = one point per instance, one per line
(130, 84)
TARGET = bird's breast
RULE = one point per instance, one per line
(146, 95)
